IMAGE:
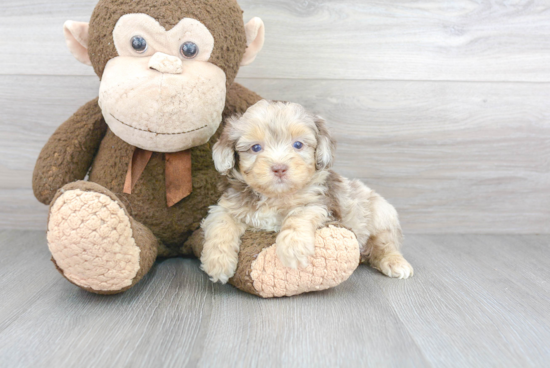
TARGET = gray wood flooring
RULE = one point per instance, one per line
(475, 301)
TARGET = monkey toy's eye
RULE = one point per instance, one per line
(189, 50)
(139, 44)
(298, 145)
(256, 148)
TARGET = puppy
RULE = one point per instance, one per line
(277, 158)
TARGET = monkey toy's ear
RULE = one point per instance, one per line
(255, 37)
(76, 35)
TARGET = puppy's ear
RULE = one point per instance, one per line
(223, 152)
(324, 154)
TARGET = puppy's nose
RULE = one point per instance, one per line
(279, 170)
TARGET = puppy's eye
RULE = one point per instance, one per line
(298, 145)
(189, 50)
(256, 148)
(139, 44)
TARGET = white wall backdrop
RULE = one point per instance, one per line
(441, 106)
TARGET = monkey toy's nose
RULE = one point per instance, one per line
(167, 64)
(279, 170)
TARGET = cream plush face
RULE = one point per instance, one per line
(162, 90)
(279, 146)
(156, 97)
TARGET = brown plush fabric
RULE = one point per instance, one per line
(84, 141)
(69, 152)
(238, 100)
(147, 203)
(252, 244)
(222, 17)
(144, 238)
(148, 244)
(193, 245)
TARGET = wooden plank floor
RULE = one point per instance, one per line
(475, 300)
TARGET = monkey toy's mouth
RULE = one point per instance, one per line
(157, 133)
(162, 112)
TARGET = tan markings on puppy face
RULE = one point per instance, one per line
(276, 146)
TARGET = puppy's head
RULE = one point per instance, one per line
(275, 147)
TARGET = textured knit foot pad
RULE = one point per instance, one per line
(336, 257)
(91, 239)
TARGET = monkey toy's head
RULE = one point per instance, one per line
(165, 66)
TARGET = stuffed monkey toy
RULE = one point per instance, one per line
(167, 71)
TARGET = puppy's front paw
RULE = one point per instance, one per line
(294, 248)
(220, 266)
(396, 266)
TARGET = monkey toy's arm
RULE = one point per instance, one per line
(239, 99)
(69, 152)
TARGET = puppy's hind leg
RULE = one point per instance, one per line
(382, 249)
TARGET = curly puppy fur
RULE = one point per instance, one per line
(276, 159)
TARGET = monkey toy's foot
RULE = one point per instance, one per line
(95, 243)
(260, 271)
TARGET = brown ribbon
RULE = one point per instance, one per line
(179, 182)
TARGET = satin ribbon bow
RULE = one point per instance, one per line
(179, 182)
